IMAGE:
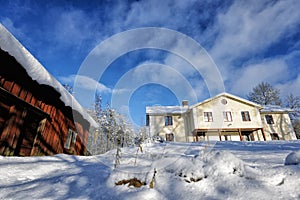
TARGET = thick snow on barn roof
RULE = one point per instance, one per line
(37, 72)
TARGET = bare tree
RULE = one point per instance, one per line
(296, 126)
(265, 94)
(293, 102)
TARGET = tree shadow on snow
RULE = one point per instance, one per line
(57, 177)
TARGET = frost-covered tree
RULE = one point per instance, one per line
(97, 137)
(142, 134)
(265, 94)
(114, 131)
(68, 88)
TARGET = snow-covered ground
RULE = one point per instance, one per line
(222, 170)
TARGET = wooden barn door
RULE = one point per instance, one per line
(28, 134)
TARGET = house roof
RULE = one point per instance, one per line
(231, 96)
(275, 109)
(181, 109)
(166, 110)
(37, 72)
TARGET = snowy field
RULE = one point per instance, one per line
(224, 170)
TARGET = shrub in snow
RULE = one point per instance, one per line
(152, 183)
(131, 182)
(293, 158)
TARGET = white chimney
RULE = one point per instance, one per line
(185, 103)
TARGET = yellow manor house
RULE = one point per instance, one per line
(223, 117)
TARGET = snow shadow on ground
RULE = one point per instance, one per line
(58, 177)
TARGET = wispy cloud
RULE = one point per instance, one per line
(248, 76)
(247, 30)
(243, 38)
(84, 82)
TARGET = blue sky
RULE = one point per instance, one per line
(241, 43)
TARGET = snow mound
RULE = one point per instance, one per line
(293, 158)
(222, 163)
(184, 168)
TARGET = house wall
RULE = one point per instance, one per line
(282, 126)
(33, 120)
(157, 126)
(217, 107)
(187, 125)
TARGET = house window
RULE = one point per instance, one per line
(147, 120)
(208, 117)
(71, 139)
(170, 137)
(227, 116)
(269, 119)
(168, 120)
(274, 136)
(245, 116)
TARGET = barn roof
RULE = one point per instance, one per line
(37, 71)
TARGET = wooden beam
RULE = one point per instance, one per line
(263, 133)
(220, 136)
(240, 133)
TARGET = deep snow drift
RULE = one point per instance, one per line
(222, 170)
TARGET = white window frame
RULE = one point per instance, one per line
(168, 120)
(246, 116)
(227, 116)
(208, 117)
(71, 139)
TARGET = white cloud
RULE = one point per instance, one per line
(85, 82)
(289, 87)
(233, 32)
(73, 26)
(249, 28)
(247, 77)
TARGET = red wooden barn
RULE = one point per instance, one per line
(37, 115)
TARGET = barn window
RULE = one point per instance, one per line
(269, 119)
(227, 116)
(71, 139)
(245, 116)
(208, 117)
(168, 120)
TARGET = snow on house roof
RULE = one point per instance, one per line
(166, 109)
(275, 108)
(37, 72)
(225, 94)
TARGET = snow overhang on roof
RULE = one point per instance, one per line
(275, 109)
(37, 72)
(231, 96)
(166, 110)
